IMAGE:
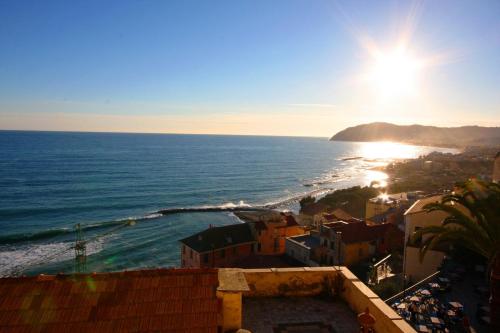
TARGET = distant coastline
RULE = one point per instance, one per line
(445, 137)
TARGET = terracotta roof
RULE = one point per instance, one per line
(290, 221)
(163, 300)
(359, 232)
(220, 237)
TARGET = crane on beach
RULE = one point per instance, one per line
(80, 248)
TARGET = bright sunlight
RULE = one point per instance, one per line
(395, 74)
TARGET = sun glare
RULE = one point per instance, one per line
(387, 150)
(395, 74)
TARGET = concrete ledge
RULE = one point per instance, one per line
(232, 280)
(289, 269)
(348, 274)
(321, 269)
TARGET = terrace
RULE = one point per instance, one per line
(303, 299)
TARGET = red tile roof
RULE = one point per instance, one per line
(338, 214)
(162, 300)
(290, 221)
(359, 232)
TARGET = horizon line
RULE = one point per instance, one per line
(163, 133)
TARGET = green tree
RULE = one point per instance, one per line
(473, 221)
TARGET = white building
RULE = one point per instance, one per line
(300, 248)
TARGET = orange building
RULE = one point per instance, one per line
(271, 234)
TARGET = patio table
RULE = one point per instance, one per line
(456, 305)
(437, 321)
(422, 328)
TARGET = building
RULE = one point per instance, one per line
(384, 202)
(218, 246)
(272, 233)
(348, 243)
(196, 300)
(394, 215)
(302, 248)
(416, 217)
(159, 300)
(327, 217)
(496, 169)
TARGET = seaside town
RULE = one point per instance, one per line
(285, 166)
(327, 268)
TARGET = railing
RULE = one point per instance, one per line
(412, 287)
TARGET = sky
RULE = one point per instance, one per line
(298, 68)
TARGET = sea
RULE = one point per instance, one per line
(114, 185)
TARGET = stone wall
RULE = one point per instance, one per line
(312, 281)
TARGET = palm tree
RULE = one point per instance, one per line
(473, 222)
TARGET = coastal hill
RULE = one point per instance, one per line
(422, 135)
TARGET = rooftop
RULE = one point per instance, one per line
(220, 237)
(338, 214)
(418, 206)
(306, 240)
(138, 301)
(360, 231)
(267, 261)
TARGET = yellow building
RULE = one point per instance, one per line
(384, 202)
(348, 243)
(271, 234)
(416, 217)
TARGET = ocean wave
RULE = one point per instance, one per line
(58, 232)
(16, 260)
(49, 234)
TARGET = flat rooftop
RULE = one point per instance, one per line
(306, 240)
(298, 314)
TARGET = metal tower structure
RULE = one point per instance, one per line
(80, 251)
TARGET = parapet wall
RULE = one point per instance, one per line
(312, 281)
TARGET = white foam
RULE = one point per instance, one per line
(152, 216)
(240, 204)
(15, 260)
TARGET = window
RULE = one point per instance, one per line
(276, 244)
(332, 245)
(259, 247)
(205, 258)
(417, 241)
(223, 253)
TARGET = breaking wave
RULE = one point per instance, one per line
(13, 261)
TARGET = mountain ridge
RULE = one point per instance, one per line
(416, 134)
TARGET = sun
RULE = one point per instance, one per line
(395, 73)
